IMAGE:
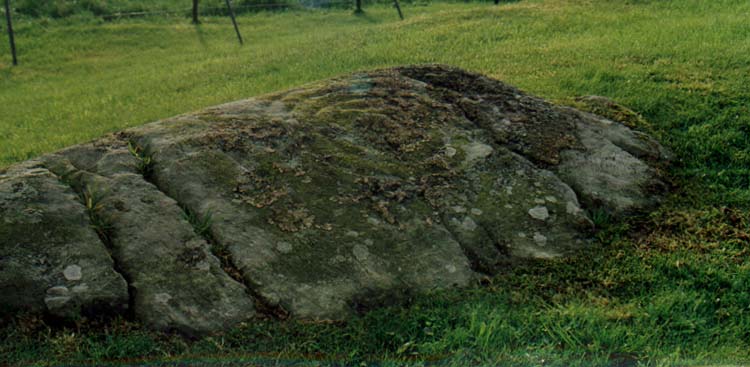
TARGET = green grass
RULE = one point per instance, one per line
(671, 288)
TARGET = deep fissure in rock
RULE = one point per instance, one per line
(102, 230)
(205, 231)
(192, 216)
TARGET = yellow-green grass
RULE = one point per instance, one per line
(672, 288)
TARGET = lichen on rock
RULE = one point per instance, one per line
(326, 199)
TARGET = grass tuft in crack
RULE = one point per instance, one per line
(93, 200)
(202, 227)
(201, 223)
(145, 162)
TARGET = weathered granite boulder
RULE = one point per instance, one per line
(314, 202)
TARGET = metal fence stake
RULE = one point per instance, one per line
(11, 38)
(398, 7)
(234, 21)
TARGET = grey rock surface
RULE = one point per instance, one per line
(176, 282)
(318, 201)
(47, 248)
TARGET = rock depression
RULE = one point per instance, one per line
(313, 202)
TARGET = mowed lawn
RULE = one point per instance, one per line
(669, 288)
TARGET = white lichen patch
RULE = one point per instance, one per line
(58, 291)
(72, 272)
(503, 125)
(539, 212)
(83, 287)
(476, 151)
(56, 302)
(469, 224)
(284, 247)
(540, 239)
(360, 252)
(162, 298)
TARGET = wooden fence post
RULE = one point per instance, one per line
(10, 32)
(195, 12)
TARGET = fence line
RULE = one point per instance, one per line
(217, 10)
(228, 10)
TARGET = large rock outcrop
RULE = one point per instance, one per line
(315, 201)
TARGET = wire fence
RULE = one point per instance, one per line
(116, 9)
(119, 9)
(210, 11)
(113, 9)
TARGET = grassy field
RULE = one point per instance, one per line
(670, 288)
